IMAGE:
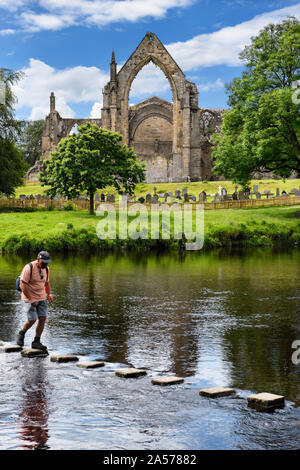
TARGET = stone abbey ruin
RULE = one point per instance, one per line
(173, 139)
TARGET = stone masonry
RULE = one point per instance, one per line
(172, 138)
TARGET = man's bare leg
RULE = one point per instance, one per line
(40, 326)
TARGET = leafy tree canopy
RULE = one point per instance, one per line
(13, 167)
(31, 140)
(262, 130)
(92, 159)
(9, 127)
(12, 164)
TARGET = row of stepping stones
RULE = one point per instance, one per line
(261, 401)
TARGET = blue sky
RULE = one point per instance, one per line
(65, 46)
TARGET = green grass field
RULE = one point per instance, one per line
(210, 187)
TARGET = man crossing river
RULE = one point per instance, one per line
(35, 286)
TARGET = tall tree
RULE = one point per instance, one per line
(262, 130)
(12, 164)
(12, 167)
(10, 128)
(92, 159)
(31, 141)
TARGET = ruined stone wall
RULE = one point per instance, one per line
(174, 139)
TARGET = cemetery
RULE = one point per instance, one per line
(236, 199)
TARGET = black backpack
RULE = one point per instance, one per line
(19, 278)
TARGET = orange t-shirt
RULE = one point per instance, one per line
(35, 285)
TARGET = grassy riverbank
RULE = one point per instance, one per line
(75, 231)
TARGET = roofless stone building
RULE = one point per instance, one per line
(172, 138)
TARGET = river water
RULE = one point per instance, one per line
(220, 318)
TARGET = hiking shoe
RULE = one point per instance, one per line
(38, 345)
(20, 339)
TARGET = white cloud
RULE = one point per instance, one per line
(73, 85)
(59, 14)
(212, 86)
(12, 5)
(33, 22)
(77, 85)
(96, 110)
(150, 80)
(223, 47)
(6, 32)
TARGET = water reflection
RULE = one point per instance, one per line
(34, 410)
(226, 318)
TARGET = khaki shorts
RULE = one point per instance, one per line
(33, 313)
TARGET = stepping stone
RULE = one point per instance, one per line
(33, 352)
(130, 372)
(64, 358)
(216, 392)
(167, 381)
(90, 365)
(266, 401)
(11, 348)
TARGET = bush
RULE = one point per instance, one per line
(69, 207)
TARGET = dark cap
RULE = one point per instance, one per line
(44, 256)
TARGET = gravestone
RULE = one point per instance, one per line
(185, 197)
(141, 200)
(154, 199)
(255, 188)
(97, 197)
(258, 195)
(148, 198)
(169, 200)
(242, 196)
(193, 198)
(177, 194)
(235, 196)
(22, 196)
(184, 191)
(202, 196)
(111, 198)
(277, 192)
(102, 197)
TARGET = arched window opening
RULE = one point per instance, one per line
(74, 129)
(151, 121)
